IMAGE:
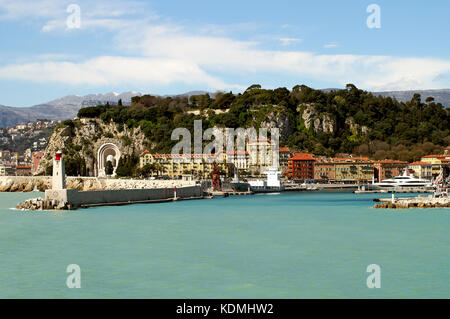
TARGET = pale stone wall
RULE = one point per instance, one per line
(42, 183)
(76, 199)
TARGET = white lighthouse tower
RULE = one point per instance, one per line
(59, 172)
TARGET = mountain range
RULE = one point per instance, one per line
(67, 107)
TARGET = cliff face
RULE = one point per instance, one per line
(82, 138)
(278, 119)
(356, 128)
(318, 122)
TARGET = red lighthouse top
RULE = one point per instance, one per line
(58, 156)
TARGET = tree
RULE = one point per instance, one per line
(253, 87)
(127, 165)
(109, 169)
(147, 170)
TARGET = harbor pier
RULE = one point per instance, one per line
(61, 198)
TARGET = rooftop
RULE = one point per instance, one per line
(387, 161)
(302, 157)
(420, 163)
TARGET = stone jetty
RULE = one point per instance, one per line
(414, 202)
(123, 192)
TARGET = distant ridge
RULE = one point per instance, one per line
(67, 107)
(60, 109)
(440, 96)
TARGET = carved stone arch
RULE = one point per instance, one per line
(107, 151)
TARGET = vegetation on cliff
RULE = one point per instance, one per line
(325, 123)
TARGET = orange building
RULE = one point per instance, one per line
(301, 166)
(388, 169)
(325, 170)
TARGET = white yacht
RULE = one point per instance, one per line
(272, 184)
(404, 180)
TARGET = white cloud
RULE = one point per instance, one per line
(289, 41)
(166, 53)
(241, 57)
(111, 15)
(331, 45)
(108, 70)
(23, 9)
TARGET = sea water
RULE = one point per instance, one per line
(292, 245)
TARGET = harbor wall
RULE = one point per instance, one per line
(75, 199)
(43, 183)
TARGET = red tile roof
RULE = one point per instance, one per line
(391, 162)
(433, 156)
(302, 157)
(420, 163)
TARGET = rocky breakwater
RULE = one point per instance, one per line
(42, 204)
(416, 202)
(42, 183)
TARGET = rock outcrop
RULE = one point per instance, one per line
(356, 128)
(84, 137)
(318, 122)
(278, 119)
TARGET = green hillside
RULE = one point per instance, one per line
(324, 123)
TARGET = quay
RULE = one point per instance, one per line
(229, 193)
(401, 191)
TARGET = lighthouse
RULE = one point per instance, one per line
(59, 172)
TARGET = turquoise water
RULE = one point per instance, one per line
(305, 245)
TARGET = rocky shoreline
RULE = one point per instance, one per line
(42, 183)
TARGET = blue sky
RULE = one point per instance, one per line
(167, 47)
